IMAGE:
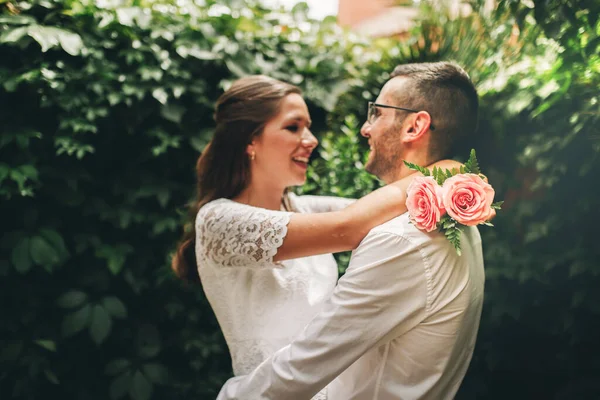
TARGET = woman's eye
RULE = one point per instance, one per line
(292, 128)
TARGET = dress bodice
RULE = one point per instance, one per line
(261, 305)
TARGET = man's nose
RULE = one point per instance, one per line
(309, 140)
(365, 130)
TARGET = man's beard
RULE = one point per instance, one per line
(381, 164)
(386, 154)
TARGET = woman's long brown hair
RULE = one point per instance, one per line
(223, 169)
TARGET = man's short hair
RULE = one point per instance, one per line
(446, 92)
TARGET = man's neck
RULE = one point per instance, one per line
(402, 170)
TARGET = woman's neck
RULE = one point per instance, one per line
(264, 196)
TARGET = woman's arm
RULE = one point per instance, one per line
(318, 204)
(331, 232)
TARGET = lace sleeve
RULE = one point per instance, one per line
(237, 235)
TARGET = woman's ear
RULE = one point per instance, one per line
(250, 149)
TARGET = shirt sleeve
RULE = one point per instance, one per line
(382, 295)
(319, 204)
(230, 234)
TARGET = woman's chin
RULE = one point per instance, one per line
(298, 181)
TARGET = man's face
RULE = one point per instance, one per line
(384, 133)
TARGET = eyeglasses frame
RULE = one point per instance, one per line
(372, 104)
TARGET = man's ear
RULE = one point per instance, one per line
(416, 125)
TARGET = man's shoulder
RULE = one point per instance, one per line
(401, 226)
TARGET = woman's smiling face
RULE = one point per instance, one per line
(282, 150)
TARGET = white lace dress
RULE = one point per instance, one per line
(261, 305)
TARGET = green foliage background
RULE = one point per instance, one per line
(105, 110)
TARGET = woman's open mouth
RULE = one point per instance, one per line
(302, 162)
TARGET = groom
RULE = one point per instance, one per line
(403, 320)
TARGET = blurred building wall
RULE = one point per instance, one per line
(385, 18)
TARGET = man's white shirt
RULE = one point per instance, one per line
(401, 324)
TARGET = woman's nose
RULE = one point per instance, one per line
(308, 139)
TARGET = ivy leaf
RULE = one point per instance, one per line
(161, 95)
(157, 373)
(163, 196)
(43, 254)
(49, 37)
(141, 388)
(148, 341)
(120, 385)
(100, 325)
(70, 42)
(56, 241)
(116, 366)
(46, 344)
(22, 137)
(114, 255)
(198, 143)
(235, 68)
(132, 16)
(114, 306)
(4, 172)
(72, 299)
(172, 112)
(51, 377)
(20, 257)
(76, 321)
(16, 19)
(13, 35)
(201, 54)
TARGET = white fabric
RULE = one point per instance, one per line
(260, 305)
(401, 324)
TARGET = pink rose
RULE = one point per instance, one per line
(468, 199)
(424, 203)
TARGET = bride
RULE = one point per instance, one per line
(261, 253)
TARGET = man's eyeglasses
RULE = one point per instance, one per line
(372, 112)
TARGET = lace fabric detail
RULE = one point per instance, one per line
(236, 235)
